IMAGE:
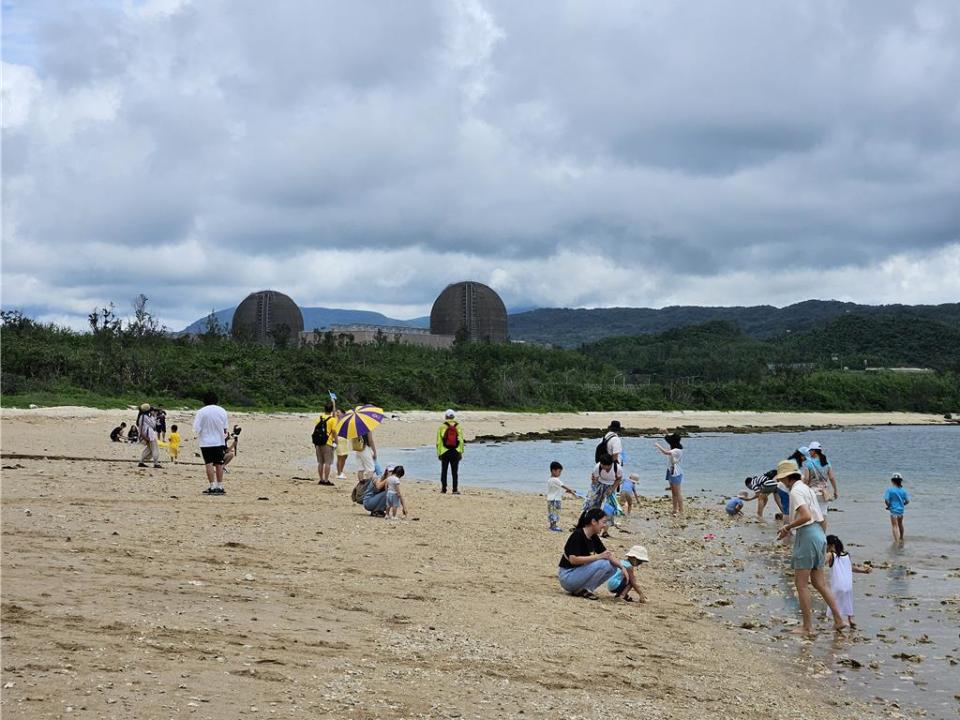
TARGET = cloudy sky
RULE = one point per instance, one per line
(583, 154)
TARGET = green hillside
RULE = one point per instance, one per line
(573, 327)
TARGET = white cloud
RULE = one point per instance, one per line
(565, 153)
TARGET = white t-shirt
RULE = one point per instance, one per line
(608, 477)
(209, 424)
(673, 462)
(801, 494)
(554, 488)
(614, 444)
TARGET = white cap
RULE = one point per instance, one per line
(815, 446)
(639, 552)
(449, 414)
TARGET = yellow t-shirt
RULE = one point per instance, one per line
(174, 440)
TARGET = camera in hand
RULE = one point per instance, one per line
(236, 430)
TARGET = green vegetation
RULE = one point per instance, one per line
(571, 327)
(711, 366)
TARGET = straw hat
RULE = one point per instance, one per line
(639, 552)
(145, 407)
(786, 468)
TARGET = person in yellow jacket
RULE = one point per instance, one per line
(449, 449)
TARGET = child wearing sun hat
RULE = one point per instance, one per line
(625, 578)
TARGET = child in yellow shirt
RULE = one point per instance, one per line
(173, 443)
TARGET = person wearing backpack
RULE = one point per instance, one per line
(324, 438)
(449, 449)
(610, 444)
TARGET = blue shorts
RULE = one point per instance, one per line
(674, 479)
(895, 513)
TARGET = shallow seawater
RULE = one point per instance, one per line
(909, 604)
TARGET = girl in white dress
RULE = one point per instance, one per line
(841, 577)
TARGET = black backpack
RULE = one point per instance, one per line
(602, 447)
(319, 434)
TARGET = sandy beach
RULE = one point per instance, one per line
(128, 594)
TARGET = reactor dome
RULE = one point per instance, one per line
(268, 317)
(470, 308)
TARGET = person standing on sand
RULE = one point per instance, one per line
(147, 431)
(324, 438)
(809, 547)
(211, 427)
(449, 449)
(586, 563)
(342, 449)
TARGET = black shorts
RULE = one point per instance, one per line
(213, 455)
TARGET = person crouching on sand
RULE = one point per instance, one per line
(586, 563)
(625, 578)
(809, 547)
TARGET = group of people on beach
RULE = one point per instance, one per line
(801, 485)
(586, 563)
(217, 442)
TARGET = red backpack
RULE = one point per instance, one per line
(451, 437)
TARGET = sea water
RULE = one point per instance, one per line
(909, 604)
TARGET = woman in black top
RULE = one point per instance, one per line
(586, 563)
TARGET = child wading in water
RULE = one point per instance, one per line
(555, 490)
(394, 497)
(625, 578)
(841, 577)
(896, 500)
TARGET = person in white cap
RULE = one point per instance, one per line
(821, 478)
(449, 449)
(625, 579)
(809, 547)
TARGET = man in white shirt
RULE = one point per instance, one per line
(210, 425)
(613, 446)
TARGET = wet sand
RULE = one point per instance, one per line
(128, 594)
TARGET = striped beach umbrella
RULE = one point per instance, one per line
(359, 421)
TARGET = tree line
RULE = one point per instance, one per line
(710, 366)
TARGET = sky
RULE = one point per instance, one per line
(364, 155)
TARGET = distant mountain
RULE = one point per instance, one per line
(319, 317)
(573, 327)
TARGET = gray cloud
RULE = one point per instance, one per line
(199, 150)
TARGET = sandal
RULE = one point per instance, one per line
(588, 595)
(627, 598)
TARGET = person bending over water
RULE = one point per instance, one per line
(586, 563)
(809, 547)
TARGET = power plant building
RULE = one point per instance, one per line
(266, 317)
(470, 309)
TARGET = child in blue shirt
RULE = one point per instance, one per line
(625, 578)
(896, 500)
